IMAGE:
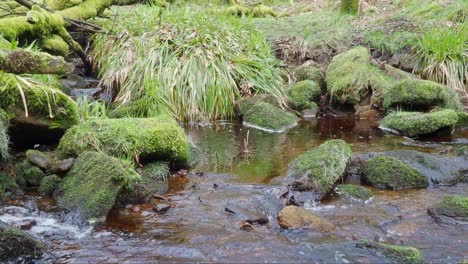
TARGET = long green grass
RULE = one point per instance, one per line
(4, 141)
(190, 62)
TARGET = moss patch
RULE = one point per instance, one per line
(7, 183)
(308, 72)
(27, 174)
(390, 173)
(152, 138)
(270, 118)
(416, 94)
(48, 185)
(351, 191)
(351, 77)
(453, 206)
(92, 185)
(462, 120)
(302, 93)
(399, 254)
(15, 243)
(416, 124)
(319, 168)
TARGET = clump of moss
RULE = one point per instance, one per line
(399, 254)
(93, 184)
(453, 206)
(351, 77)
(55, 45)
(7, 183)
(391, 173)
(254, 11)
(270, 118)
(308, 72)
(153, 181)
(416, 124)
(319, 168)
(48, 185)
(15, 243)
(152, 138)
(462, 120)
(4, 141)
(421, 94)
(351, 191)
(27, 174)
(302, 93)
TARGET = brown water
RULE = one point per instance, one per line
(198, 229)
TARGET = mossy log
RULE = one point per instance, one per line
(24, 61)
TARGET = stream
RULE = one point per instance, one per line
(238, 178)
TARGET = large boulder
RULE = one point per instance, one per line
(391, 173)
(398, 254)
(351, 78)
(93, 184)
(15, 244)
(4, 142)
(302, 93)
(318, 169)
(296, 217)
(145, 138)
(268, 117)
(414, 94)
(452, 209)
(415, 124)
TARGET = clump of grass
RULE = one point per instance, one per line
(88, 109)
(189, 62)
(4, 141)
(442, 55)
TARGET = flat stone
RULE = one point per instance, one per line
(296, 217)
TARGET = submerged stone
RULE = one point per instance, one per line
(15, 243)
(296, 217)
(319, 168)
(48, 185)
(399, 254)
(302, 93)
(415, 124)
(353, 192)
(268, 117)
(146, 138)
(451, 209)
(411, 94)
(27, 174)
(390, 173)
(93, 184)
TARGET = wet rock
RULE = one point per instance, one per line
(438, 169)
(415, 124)
(40, 159)
(246, 226)
(414, 94)
(162, 208)
(27, 224)
(462, 152)
(93, 184)
(28, 174)
(452, 209)
(48, 185)
(318, 169)
(15, 244)
(366, 112)
(391, 173)
(302, 93)
(399, 254)
(311, 110)
(308, 72)
(61, 165)
(267, 117)
(296, 217)
(353, 192)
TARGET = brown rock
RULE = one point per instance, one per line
(297, 217)
(161, 208)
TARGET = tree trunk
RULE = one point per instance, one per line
(23, 61)
(350, 7)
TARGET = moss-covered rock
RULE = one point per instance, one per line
(454, 206)
(93, 184)
(414, 124)
(308, 72)
(399, 254)
(318, 169)
(268, 117)
(55, 45)
(48, 185)
(27, 174)
(303, 93)
(353, 192)
(147, 138)
(4, 141)
(39, 159)
(414, 94)
(153, 181)
(15, 243)
(311, 110)
(351, 78)
(7, 183)
(390, 173)
(244, 105)
(462, 120)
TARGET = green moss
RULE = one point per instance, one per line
(254, 11)
(308, 72)
(27, 174)
(351, 191)
(55, 45)
(15, 243)
(462, 151)
(268, 117)
(61, 4)
(92, 185)
(351, 77)
(153, 181)
(399, 254)
(154, 138)
(7, 182)
(416, 94)
(415, 124)
(462, 120)
(391, 173)
(4, 141)
(302, 93)
(48, 185)
(319, 168)
(349, 7)
(453, 206)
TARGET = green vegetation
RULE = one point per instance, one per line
(302, 93)
(15, 243)
(4, 141)
(399, 254)
(48, 185)
(351, 191)
(453, 206)
(28, 174)
(319, 168)
(416, 124)
(92, 185)
(391, 173)
(268, 117)
(192, 63)
(308, 72)
(349, 7)
(155, 138)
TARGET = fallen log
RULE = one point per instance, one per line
(20, 61)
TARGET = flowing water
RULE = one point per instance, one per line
(237, 179)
